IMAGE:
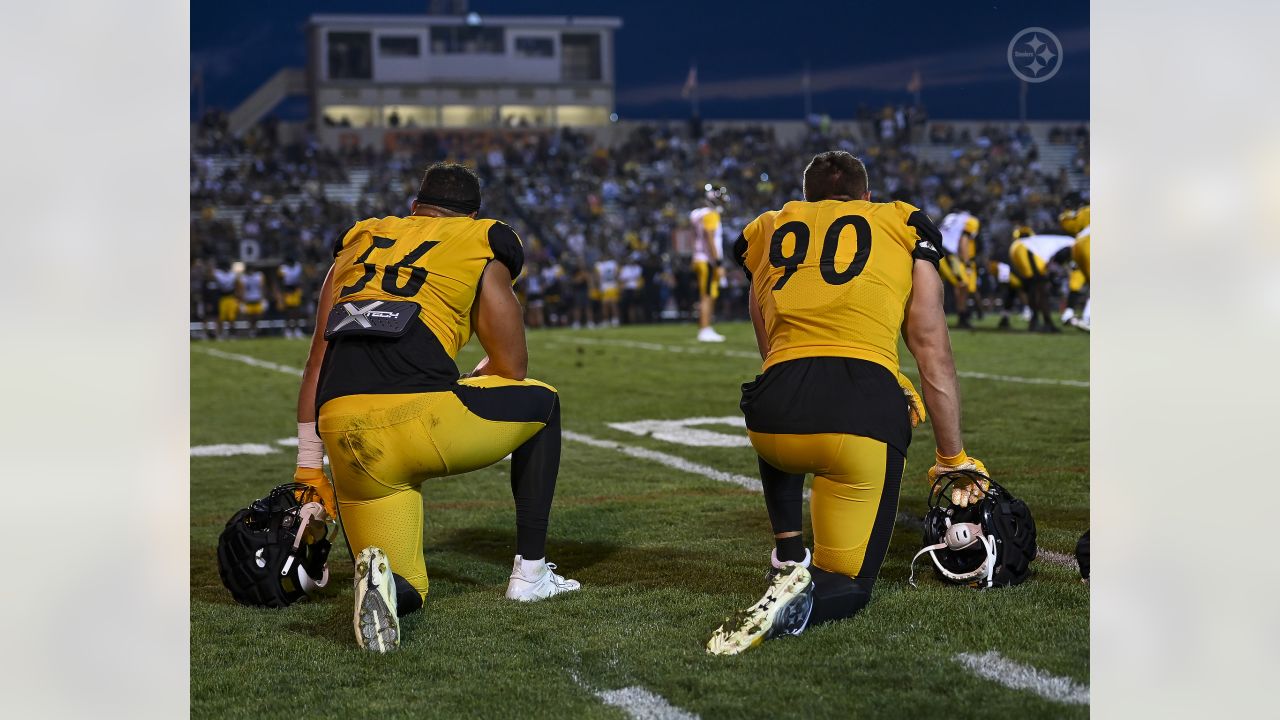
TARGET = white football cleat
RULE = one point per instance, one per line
(539, 584)
(708, 334)
(784, 610)
(376, 623)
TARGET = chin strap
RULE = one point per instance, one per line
(969, 533)
(311, 512)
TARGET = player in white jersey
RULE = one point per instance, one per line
(1030, 257)
(227, 280)
(254, 298)
(632, 278)
(708, 240)
(959, 267)
(607, 282)
(289, 296)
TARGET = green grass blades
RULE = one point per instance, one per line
(664, 554)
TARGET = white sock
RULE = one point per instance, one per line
(531, 568)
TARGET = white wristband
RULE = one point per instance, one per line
(310, 448)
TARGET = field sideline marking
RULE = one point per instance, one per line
(1000, 669)
(671, 461)
(643, 704)
(658, 347)
(249, 360)
(639, 703)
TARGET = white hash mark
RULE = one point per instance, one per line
(642, 704)
(1000, 669)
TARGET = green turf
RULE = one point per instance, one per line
(662, 555)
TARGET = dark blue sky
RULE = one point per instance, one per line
(750, 54)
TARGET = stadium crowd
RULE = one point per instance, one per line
(577, 204)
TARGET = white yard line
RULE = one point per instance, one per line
(1009, 378)
(697, 350)
(229, 450)
(642, 704)
(1000, 669)
(655, 347)
(671, 461)
(249, 360)
(1057, 558)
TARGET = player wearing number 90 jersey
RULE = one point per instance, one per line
(836, 280)
(832, 277)
(383, 392)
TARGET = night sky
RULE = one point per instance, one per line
(750, 55)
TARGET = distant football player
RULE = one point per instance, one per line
(632, 278)
(708, 236)
(1076, 222)
(958, 266)
(227, 280)
(610, 292)
(254, 298)
(289, 296)
(835, 281)
(1029, 257)
(382, 389)
(1010, 285)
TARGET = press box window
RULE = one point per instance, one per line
(535, 47)
(580, 56)
(350, 56)
(399, 46)
(468, 40)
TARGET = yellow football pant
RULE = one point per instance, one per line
(1077, 281)
(1080, 254)
(708, 279)
(1026, 264)
(228, 308)
(958, 273)
(855, 494)
(383, 447)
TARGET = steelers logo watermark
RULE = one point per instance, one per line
(1035, 54)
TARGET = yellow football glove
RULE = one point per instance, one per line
(315, 479)
(963, 492)
(915, 406)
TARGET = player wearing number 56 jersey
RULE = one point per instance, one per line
(402, 298)
(836, 280)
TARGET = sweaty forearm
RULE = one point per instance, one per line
(941, 397)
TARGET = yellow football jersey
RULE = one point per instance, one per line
(1074, 221)
(832, 277)
(435, 262)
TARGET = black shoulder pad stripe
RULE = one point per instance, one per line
(506, 248)
(740, 250)
(929, 242)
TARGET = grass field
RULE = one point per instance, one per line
(663, 555)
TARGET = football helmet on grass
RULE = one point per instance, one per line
(274, 552)
(989, 543)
